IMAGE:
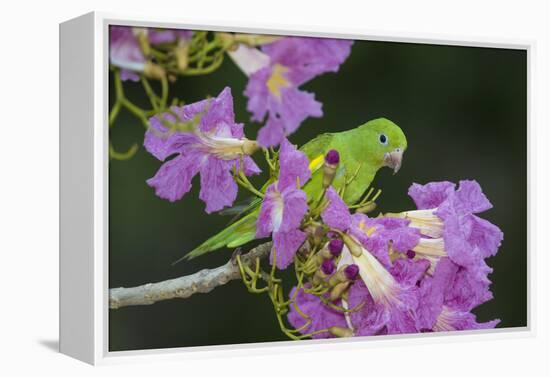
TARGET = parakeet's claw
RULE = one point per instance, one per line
(368, 203)
(237, 252)
(354, 175)
(368, 207)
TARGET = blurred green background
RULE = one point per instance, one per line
(464, 111)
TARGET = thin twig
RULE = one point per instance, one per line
(200, 282)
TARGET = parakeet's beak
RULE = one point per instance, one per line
(393, 159)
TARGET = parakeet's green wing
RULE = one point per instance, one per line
(244, 230)
(242, 209)
(318, 146)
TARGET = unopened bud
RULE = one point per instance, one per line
(339, 290)
(368, 207)
(255, 39)
(337, 278)
(143, 40)
(327, 268)
(266, 39)
(335, 247)
(228, 41)
(351, 271)
(332, 159)
(355, 249)
(154, 71)
(182, 55)
(341, 332)
(346, 273)
(331, 250)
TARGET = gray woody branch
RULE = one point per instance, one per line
(201, 282)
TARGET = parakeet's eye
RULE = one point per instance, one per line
(383, 139)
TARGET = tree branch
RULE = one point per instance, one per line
(200, 282)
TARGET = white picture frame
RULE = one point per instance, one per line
(84, 191)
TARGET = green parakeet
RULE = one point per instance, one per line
(363, 151)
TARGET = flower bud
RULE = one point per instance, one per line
(351, 271)
(339, 290)
(341, 332)
(347, 273)
(335, 247)
(228, 40)
(255, 39)
(328, 267)
(332, 159)
(337, 278)
(355, 249)
(143, 40)
(332, 250)
(154, 71)
(182, 55)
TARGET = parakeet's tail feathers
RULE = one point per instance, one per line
(238, 207)
(236, 234)
(241, 209)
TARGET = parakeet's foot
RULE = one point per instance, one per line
(368, 203)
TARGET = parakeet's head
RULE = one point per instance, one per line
(386, 141)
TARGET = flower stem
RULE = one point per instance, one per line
(270, 163)
(123, 155)
(164, 91)
(153, 98)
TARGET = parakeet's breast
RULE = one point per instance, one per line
(357, 166)
(356, 188)
(352, 177)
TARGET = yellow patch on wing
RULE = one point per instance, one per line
(316, 163)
